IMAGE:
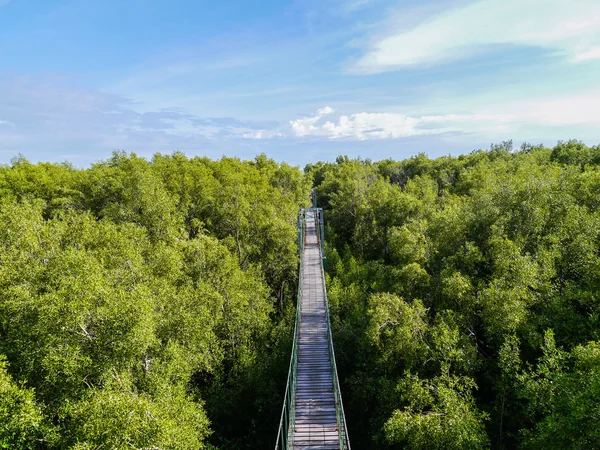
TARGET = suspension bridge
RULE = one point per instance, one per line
(313, 414)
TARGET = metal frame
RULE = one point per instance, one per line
(285, 435)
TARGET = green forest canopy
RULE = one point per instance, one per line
(150, 304)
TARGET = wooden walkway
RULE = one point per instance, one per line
(315, 422)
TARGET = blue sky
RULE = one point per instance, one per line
(299, 80)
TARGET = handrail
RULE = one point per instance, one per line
(288, 413)
(339, 406)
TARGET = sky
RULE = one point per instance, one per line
(299, 80)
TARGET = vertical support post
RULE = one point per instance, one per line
(322, 230)
(299, 228)
(322, 236)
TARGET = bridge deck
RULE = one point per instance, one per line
(315, 424)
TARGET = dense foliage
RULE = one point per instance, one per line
(143, 303)
(465, 297)
(149, 304)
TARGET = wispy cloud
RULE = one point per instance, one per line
(353, 5)
(560, 111)
(50, 115)
(521, 118)
(262, 134)
(567, 27)
(184, 71)
(593, 53)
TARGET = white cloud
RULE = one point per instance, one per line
(366, 126)
(593, 53)
(521, 119)
(569, 27)
(261, 134)
(373, 126)
(306, 126)
(387, 125)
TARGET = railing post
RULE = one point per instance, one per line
(322, 237)
(299, 229)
